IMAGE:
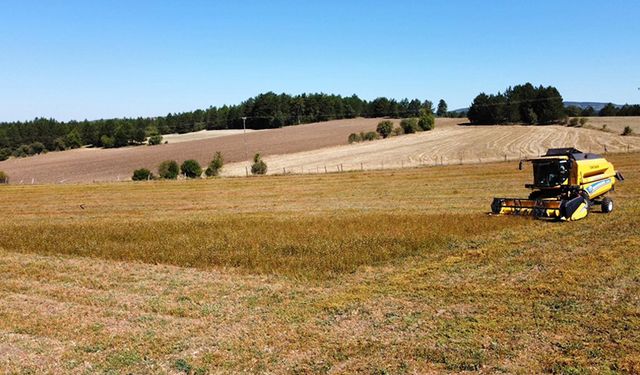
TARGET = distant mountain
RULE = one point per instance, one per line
(582, 105)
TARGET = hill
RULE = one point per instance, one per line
(309, 148)
(86, 165)
(597, 106)
(451, 143)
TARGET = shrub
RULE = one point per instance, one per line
(59, 144)
(398, 131)
(604, 127)
(259, 166)
(142, 174)
(573, 121)
(22, 151)
(107, 142)
(385, 128)
(370, 136)
(169, 170)
(583, 121)
(4, 178)
(563, 120)
(191, 169)
(410, 125)
(215, 166)
(353, 137)
(4, 153)
(155, 139)
(73, 139)
(627, 130)
(426, 121)
(37, 148)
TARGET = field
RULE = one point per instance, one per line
(394, 271)
(614, 124)
(89, 165)
(202, 134)
(449, 143)
(312, 147)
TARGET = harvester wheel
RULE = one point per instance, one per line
(607, 205)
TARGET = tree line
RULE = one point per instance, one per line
(609, 109)
(264, 111)
(519, 104)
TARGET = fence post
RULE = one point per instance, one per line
(505, 157)
(341, 169)
(284, 171)
(325, 169)
(361, 167)
(246, 171)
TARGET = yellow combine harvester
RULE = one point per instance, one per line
(567, 183)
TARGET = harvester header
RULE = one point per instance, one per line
(567, 183)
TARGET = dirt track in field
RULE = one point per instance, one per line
(311, 148)
(87, 165)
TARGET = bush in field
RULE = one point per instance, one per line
(385, 128)
(353, 137)
(37, 148)
(142, 174)
(169, 170)
(59, 144)
(583, 121)
(4, 153)
(191, 169)
(574, 121)
(22, 151)
(215, 166)
(426, 121)
(155, 139)
(410, 125)
(4, 178)
(259, 166)
(627, 130)
(107, 142)
(397, 131)
(73, 139)
(370, 136)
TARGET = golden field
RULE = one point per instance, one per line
(394, 271)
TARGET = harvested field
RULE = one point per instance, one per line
(614, 124)
(376, 272)
(87, 165)
(202, 134)
(447, 144)
(309, 148)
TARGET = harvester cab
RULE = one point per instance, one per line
(567, 184)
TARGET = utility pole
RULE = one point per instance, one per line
(244, 126)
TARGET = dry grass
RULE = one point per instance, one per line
(391, 271)
(449, 143)
(614, 124)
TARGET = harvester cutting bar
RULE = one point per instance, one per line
(527, 207)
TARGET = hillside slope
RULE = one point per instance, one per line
(87, 165)
(447, 144)
(309, 148)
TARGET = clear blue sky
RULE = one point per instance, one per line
(98, 59)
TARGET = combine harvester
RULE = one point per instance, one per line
(567, 183)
